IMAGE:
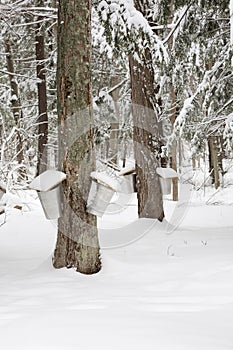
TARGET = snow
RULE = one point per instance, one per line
(126, 20)
(47, 180)
(166, 173)
(158, 288)
(109, 180)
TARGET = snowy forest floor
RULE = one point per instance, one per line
(162, 286)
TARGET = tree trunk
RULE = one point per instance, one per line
(147, 131)
(77, 243)
(114, 134)
(213, 160)
(175, 194)
(15, 100)
(42, 105)
(146, 136)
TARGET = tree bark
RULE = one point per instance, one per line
(147, 130)
(175, 193)
(77, 243)
(146, 137)
(213, 160)
(42, 105)
(15, 100)
(115, 122)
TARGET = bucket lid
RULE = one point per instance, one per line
(128, 170)
(166, 173)
(47, 180)
(106, 180)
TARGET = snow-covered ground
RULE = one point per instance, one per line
(162, 286)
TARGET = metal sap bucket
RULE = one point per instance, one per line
(47, 186)
(165, 185)
(165, 177)
(51, 203)
(102, 189)
(99, 198)
(128, 184)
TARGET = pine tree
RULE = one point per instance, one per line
(133, 38)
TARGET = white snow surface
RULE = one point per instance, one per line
(159, 288)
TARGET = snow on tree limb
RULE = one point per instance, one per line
(176, 25)
(127, 29)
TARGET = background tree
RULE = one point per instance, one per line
(15, 100)
(199, 72)
(134, 38)
(42, 155)
(20, 22)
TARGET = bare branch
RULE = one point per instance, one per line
(177, 23)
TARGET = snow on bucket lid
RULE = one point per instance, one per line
(47, 180)
(106, 180)
(130, 169)
(166, 173)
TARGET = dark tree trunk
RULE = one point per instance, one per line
(147, 131)
(42, 104)
(175, 193)
(173, 96)
(114, 135)
(213, 160)
(146, 136)
(15, 100)
(77, 243)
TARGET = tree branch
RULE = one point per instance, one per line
(177, 23)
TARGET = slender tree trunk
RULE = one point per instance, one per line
(113, 141)
(42, 105)
(114, 135)
(173, 96)
(124, 154)
(77, 243)
(175, 194)
(213, 160)
(221, 153)
(15, 100)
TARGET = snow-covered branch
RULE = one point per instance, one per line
(127, 30)
(176, 25)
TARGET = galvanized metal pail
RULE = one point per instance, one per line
(99, 198)
(165, 185)
(51, 203)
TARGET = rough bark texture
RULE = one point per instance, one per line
(77, 242)
(213, 160)
(114, 135)
(42, 105)
(15, 99)
(175, 194)
(146, 136)
(147, 131)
